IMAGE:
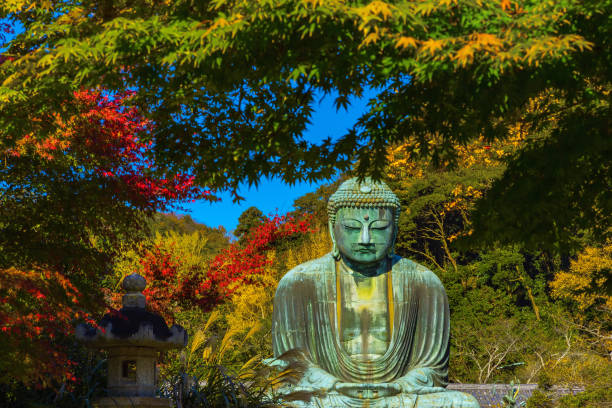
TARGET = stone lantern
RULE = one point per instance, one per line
(133, 337)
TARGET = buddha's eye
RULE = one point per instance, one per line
(351, 225)
(379, 224)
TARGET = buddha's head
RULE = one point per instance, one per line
(363, 220)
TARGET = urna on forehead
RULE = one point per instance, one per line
(365, 194)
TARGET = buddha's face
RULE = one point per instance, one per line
(364, 235)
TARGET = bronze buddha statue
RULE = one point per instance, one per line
(371, 328)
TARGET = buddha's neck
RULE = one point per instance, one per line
(369, 270)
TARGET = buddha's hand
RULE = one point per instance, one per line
(368, 390)
(317, 379)
(314, 382)
(419, 381)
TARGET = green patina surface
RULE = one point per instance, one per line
(371, 328)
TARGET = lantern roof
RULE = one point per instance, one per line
(133, 324)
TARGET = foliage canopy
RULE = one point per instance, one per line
(230, 85)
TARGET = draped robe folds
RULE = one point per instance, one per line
(305, 320)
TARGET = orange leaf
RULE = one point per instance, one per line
(405, 42)
(432, 46)
(465, 55)
(506, 5)
(485, 40)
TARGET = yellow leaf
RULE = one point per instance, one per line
(381, 8)
(425, 8)
(432, 46)
(370, 39)
(405, 42)
(532, 53)
(484, 40)
(465, 55)
(206, 353)
(249, 363)
(214, 316)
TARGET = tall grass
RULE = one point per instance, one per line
(204, 381)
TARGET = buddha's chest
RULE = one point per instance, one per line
(365, 313)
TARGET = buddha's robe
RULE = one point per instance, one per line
(305, 322)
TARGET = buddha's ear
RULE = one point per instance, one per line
(391, 251)
(335, 250)
(395, 227)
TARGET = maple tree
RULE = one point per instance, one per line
(180, 279)
(231, 84)
(68, 203)
(228, 269)
(37, 308)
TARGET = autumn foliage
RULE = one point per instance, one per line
(104, 135)
(37, 308)
(69, 201)
(242, 263)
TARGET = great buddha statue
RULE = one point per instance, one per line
(370, 329)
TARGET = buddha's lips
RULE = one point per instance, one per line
(371, 248)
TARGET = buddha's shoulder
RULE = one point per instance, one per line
(413, 271)
(313, 269)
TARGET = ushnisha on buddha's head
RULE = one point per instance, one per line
(363, 220)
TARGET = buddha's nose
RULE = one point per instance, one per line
(364, 237)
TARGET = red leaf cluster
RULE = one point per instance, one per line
(242, 263)
(37, 310)
(124, 158)
(239, 264)
(161, 269)
(105, 138)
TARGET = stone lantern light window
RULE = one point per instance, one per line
(128, 370)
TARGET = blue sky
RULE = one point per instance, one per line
(274, 196)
